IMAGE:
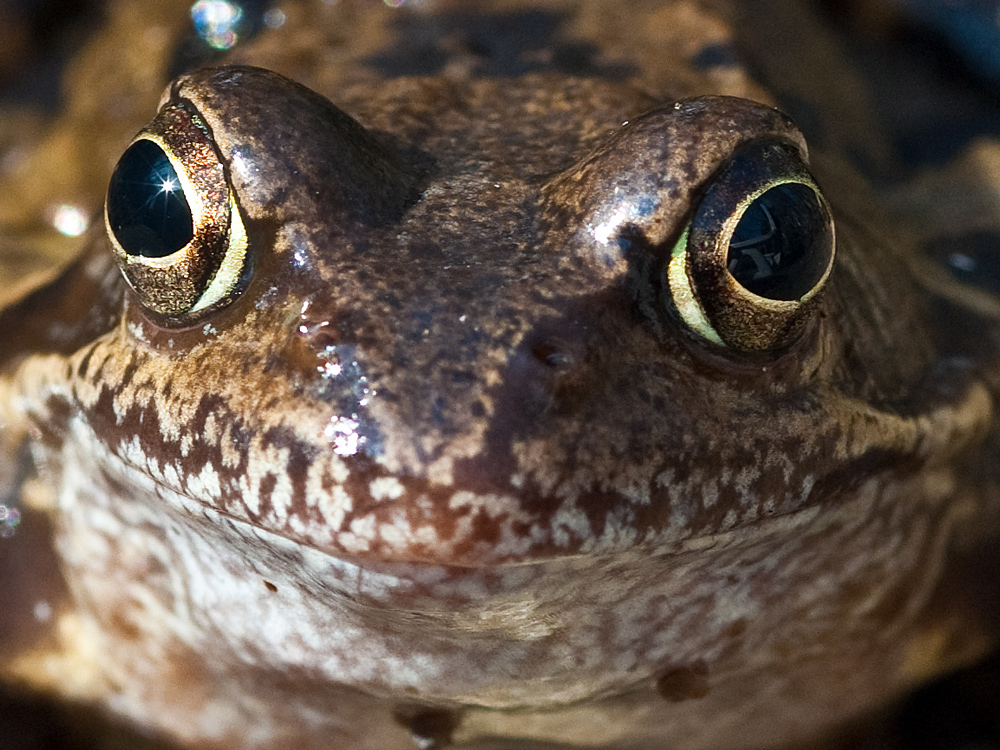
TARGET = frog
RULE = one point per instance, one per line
(509, 376)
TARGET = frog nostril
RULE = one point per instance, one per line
(147, 209)
(552, 355)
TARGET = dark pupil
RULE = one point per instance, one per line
(147, 209)
(782, 243)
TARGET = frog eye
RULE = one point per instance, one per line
(173, 220)
(748, 268)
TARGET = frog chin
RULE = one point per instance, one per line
(157, 571)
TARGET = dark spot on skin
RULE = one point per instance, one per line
(267, 485)
(495, 44)
(123, 627)
(578, 58)
(208, 404)
(300, 457)
(463, 376)
(439, 411)
(128, 374)
(684, 683)
(432, 728)
(736, 629)
(81, 370)
(274, 363)
(271, 587)
(715, 56)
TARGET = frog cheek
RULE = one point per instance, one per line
(748, 269)
(173, 221)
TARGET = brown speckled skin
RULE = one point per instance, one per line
(449, 463)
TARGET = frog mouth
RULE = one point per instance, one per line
(504, 505)
(374, 517)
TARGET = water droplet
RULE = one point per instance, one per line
(9, 519)
(71, 221)
(215, 21)
(274, 18)
(342, 434)
(43, 611)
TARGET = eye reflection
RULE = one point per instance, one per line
(782, 244)
(147, 208)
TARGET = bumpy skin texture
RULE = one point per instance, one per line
(449, 467)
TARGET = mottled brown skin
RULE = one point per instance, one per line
(447, 465)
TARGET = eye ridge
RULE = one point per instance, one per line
(747, 270)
